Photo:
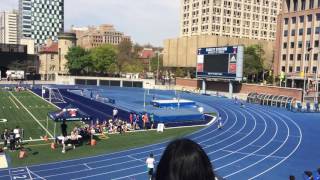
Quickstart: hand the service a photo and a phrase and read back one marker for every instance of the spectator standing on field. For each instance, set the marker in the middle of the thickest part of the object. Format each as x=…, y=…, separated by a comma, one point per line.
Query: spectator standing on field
x=114, y=113
x=152, y=120
x=64, y=128
x=5, y=137
x=12, y=140
x=150, y=165
x=17, y=133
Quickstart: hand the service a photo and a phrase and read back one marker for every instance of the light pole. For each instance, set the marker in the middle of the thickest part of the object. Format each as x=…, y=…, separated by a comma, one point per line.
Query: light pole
x=305, y=74
x=317, y=80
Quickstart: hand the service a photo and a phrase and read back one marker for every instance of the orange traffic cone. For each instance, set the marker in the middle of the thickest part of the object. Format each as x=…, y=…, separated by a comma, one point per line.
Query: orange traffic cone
x=93, y=142
x=53, y=146
x=45, y=138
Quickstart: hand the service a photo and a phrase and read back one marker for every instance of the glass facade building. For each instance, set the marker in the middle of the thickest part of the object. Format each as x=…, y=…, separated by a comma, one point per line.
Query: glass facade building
x=41, y=19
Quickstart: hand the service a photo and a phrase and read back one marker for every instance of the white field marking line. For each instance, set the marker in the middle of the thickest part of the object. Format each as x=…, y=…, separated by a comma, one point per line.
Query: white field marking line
x=129, y=175
x=14, y=102
x=294, y=150
x=255, y=150
x=86, y=165
x=288, y=132
x=37, y=176
x=239, y=140
x=32, y=115
x=10, y=175
x=29, y=173
x=261, y=155
x=108, y=172
x=135, y=158
x=44, y=99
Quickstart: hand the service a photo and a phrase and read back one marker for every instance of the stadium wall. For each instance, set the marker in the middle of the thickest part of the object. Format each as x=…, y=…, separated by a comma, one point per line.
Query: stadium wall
x=182, y=52
x=105, y=81
x=244, y=88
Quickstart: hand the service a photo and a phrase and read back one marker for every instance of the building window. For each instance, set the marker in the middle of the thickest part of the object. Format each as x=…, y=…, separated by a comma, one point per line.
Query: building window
x=318, y=16
x=301, y=19
x=285, y=45
x=292, y=45
x=308, y=44
x=293, y=20
x=293, y=32
x=303, y=4
x=291, y=57
x=283, y=69
x=309, y=17
x=299, y=44
x=285, y=33
x=286, y=20
x=284, y=57
x=299, y=57
x=290, y=68
x=311, y=4
x=317, y=30
x=308, y=31
x=298, y=69
x=301, y=32
x=306, y=57
x=315, y=57
x=314, y=69
x=316, y=43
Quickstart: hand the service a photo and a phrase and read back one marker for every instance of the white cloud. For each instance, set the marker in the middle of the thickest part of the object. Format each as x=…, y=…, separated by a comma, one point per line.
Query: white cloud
x=146, y=21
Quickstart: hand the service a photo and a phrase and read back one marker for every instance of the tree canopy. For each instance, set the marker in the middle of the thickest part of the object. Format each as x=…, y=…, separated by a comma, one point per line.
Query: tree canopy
x=253, y=61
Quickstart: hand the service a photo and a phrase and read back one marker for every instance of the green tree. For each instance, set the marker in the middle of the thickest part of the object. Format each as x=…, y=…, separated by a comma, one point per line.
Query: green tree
x=134, y=66
x=103, y=57
x=79, y=60
x=124, y=53
x=253, y=61
x=154, y=63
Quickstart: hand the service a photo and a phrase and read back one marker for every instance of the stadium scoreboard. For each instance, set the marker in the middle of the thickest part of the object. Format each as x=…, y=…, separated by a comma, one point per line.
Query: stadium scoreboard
x=220, y=62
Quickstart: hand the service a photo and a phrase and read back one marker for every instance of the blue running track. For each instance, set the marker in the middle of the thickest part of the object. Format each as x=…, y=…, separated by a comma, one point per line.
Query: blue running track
x=257, y=142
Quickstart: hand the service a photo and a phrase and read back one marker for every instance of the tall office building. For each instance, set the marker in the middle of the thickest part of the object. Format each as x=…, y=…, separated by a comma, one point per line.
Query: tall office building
x=253, y=19
x=298, y=41
x=9, y=27
x=41, y=19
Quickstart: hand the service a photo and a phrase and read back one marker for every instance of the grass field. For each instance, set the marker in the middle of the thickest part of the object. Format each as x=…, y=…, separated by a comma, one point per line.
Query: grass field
x=29, y=112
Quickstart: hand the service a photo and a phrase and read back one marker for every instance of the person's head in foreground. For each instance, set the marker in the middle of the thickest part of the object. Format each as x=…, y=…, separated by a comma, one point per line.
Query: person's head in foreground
x=184, y=159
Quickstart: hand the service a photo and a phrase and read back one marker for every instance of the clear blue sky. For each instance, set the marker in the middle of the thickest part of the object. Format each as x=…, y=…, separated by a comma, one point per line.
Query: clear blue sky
x=146, y=21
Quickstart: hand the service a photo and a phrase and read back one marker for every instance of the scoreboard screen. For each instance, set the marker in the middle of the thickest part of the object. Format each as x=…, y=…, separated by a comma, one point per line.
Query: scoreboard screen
x=220, y=62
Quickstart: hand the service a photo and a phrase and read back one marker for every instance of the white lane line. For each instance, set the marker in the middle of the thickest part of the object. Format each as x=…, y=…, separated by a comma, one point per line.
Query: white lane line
x=14, y=102
x=135, y=158
x=261, y=155
x=31, y=114
x=86, y=165
x=245, y=119
x=288, y=133
x=131, y=175
x=251, y=143
x=29, y=173
x=294, y=150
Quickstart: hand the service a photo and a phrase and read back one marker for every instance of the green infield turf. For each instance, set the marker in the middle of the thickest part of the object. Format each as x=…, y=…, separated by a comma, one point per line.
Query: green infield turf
x=40, y=152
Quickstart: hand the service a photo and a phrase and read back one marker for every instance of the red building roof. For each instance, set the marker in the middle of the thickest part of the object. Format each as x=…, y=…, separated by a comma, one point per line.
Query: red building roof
x=50, y=49
x=146, y=53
